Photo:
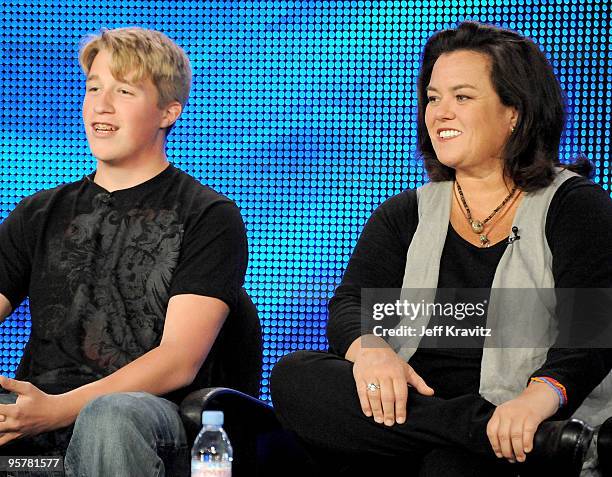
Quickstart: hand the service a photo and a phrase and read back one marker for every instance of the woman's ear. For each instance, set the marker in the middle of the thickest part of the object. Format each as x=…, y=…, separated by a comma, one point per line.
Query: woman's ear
x=514, y=117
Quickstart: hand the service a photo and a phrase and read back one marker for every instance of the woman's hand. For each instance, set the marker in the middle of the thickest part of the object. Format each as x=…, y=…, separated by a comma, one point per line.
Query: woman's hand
x=376, y=363
x=515, y=422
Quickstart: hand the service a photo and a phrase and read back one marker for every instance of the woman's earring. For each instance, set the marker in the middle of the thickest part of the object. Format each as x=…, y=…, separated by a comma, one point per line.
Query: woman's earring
x=513, y=129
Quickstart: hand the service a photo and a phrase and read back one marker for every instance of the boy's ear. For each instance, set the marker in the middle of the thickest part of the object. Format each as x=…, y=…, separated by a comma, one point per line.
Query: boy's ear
x=172, y=111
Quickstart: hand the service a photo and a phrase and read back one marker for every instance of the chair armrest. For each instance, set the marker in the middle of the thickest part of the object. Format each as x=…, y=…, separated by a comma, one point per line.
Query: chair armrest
x=261, y=446
x=239, y=408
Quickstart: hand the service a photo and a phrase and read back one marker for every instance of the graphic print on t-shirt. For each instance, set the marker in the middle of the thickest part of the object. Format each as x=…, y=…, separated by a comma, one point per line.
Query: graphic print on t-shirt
x=118, y=265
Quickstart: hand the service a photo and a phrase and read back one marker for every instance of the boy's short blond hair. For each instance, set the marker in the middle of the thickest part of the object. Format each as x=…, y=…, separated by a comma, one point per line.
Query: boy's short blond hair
x=145, y=54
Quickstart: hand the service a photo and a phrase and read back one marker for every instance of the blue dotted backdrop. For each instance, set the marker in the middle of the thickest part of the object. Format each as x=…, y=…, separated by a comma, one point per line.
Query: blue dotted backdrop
x=303, y=112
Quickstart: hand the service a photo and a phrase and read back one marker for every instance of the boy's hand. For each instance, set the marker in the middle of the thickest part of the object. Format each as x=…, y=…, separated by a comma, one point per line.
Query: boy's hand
x=33, y=412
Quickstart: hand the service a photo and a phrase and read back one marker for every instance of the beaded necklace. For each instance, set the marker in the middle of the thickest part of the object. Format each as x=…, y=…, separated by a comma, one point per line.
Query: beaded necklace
x=477, y=225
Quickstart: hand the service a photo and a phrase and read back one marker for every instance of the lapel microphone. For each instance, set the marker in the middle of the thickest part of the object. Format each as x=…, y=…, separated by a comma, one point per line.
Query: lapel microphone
x=515, y=235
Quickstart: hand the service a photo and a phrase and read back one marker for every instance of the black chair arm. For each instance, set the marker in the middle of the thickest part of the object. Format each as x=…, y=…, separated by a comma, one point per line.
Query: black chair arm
x=238, y=407
x=261, y=445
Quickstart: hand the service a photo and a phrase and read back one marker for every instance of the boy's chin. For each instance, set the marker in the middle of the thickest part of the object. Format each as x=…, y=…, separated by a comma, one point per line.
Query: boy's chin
x=105, y=159
x=103, y=156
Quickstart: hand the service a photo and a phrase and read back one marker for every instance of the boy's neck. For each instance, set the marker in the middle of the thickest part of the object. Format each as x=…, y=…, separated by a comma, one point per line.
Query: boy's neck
x=114, y=177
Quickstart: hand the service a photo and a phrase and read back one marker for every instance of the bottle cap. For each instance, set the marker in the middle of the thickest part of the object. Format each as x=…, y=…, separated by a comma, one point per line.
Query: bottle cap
x=212, y=418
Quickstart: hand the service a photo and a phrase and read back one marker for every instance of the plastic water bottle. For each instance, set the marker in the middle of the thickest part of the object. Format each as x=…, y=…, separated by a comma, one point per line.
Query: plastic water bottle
x=212, y=452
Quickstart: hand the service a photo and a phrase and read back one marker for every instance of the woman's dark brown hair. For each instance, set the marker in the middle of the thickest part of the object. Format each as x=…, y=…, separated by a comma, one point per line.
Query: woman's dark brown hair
x=524, y=79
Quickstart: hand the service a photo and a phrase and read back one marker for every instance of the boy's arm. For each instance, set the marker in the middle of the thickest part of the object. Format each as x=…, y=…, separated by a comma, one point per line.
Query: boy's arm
x=191, y=327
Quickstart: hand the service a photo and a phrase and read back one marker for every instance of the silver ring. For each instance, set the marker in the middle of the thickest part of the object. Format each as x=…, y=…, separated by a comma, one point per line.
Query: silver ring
x=373, y=387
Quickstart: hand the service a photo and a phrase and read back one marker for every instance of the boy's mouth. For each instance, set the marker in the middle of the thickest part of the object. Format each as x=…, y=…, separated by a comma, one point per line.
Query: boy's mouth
x=103, y=128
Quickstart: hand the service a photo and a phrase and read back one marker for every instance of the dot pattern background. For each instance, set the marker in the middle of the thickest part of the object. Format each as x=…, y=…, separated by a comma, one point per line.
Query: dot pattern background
x=303, y=112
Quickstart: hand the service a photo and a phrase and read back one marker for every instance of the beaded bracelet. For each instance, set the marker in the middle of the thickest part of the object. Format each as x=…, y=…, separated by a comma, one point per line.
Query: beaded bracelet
x=556, y=385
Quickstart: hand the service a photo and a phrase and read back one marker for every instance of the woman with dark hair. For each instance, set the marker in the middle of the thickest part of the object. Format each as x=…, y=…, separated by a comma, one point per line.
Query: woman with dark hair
x=500, y=213
x=523, y=79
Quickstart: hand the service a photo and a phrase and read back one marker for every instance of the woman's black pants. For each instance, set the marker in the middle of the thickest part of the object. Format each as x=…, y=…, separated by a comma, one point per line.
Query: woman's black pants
x=314, y=395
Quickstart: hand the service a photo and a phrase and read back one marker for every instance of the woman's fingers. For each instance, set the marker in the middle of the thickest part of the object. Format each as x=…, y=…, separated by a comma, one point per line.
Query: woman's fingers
x=505, y=440
x=375, y=402
x=401, y=399
x=529, y=430
x=492, y=433
x=382, y=379
x=416, y=381
x=510, y=436
x=364, y=400
x=384, y=399
x=387, y=397
x=514, y=423
x=516, y=438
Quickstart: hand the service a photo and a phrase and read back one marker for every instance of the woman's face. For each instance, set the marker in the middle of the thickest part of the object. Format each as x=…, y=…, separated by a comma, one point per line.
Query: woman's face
x=467, y=123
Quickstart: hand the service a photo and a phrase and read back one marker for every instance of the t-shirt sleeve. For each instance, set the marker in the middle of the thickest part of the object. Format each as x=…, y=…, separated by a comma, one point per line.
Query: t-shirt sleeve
x=15, y=256
x=214, y=254
x=378, y=261
x=579, y=233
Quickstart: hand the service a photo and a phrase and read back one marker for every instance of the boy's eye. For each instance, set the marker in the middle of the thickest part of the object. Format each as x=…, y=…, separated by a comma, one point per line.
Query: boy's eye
x=125, y=91
x=93, y=88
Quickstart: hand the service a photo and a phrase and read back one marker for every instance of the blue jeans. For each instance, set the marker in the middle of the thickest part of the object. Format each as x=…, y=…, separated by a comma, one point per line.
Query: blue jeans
x=123, y=434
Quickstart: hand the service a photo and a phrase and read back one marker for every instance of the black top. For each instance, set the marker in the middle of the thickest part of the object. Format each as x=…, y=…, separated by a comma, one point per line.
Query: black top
x=379, y=261
x=99, y=269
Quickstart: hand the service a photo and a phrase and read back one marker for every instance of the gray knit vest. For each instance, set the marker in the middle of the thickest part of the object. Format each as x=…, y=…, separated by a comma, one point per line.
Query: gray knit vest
x=527, y=263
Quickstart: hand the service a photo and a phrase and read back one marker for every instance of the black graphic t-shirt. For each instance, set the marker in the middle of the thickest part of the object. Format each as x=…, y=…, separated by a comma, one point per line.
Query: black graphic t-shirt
x=99, y=269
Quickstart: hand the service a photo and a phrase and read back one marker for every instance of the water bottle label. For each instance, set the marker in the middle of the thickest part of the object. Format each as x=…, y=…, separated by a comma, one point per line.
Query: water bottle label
x=210, y=469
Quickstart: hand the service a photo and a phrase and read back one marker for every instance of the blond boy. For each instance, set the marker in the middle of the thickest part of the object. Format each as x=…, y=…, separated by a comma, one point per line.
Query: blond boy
x=130, y=271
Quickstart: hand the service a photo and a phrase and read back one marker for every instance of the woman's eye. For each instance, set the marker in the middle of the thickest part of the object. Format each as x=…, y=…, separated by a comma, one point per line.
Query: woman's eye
x=431, y=99
x=92, y=88
x=461, y=97
x=125, y=91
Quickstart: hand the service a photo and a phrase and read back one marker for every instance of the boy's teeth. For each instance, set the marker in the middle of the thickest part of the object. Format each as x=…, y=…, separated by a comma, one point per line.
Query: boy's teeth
x=104, y=127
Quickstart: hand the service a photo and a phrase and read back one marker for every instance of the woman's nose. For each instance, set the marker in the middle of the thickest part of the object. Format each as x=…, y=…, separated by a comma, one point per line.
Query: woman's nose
x=445, y=110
